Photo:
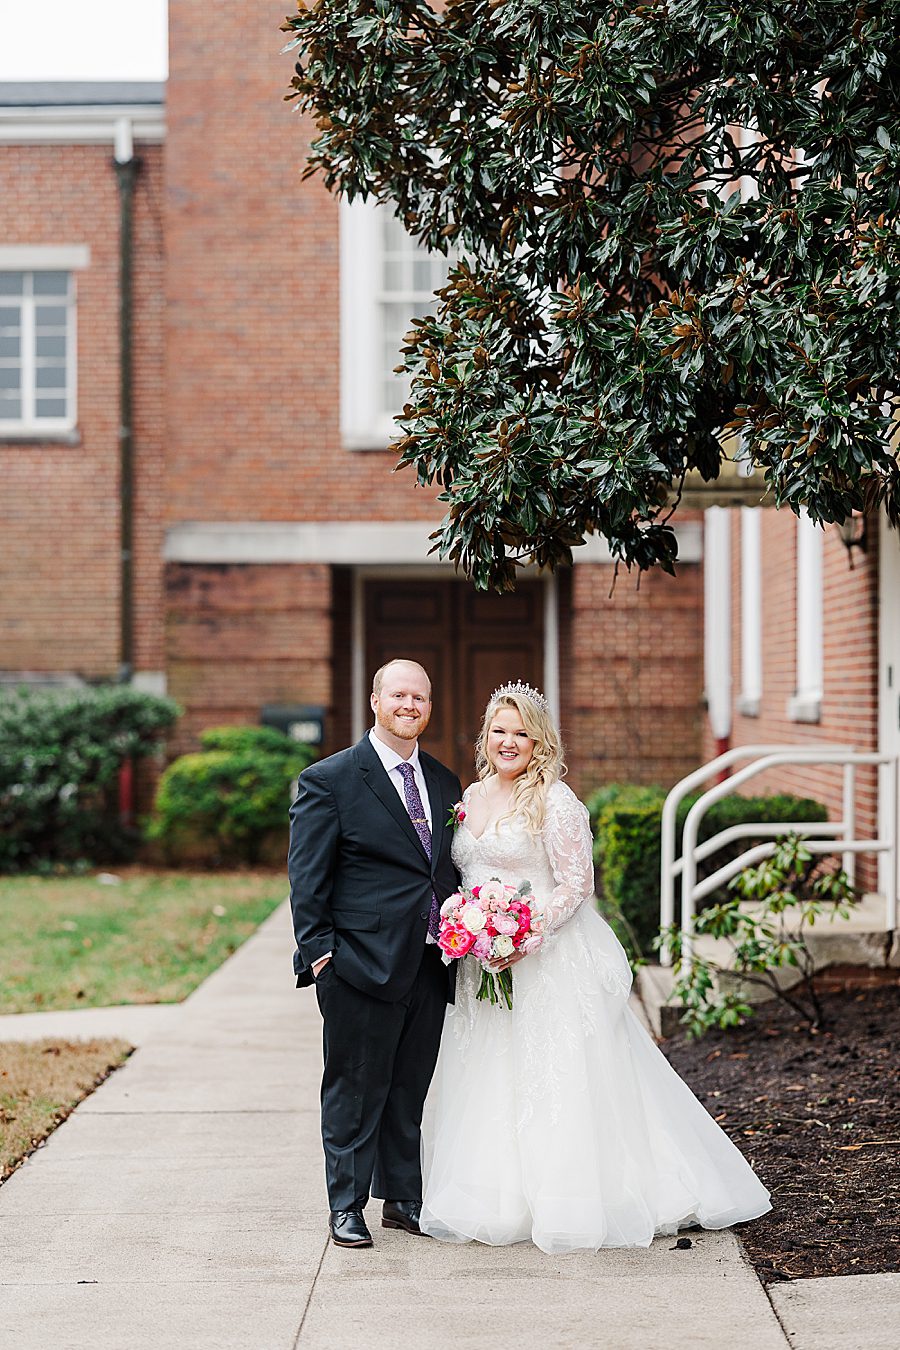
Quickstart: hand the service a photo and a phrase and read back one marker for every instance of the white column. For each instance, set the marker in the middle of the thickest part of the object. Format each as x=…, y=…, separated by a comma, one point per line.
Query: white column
x=717, y=619
x=806, y=705
x=751, y=612
x=551, y=643
x=357, y=658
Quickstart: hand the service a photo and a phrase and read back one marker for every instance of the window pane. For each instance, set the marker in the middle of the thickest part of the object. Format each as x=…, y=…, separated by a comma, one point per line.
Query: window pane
x=50, y=346
x=9, y=346
x=10, y=378
x=11, y=283
x=50, y=316
x=9, y=318
x=393, y=274
x=10, y=407
x=425, y=275
x=50, y=407
x=50, y=377
x=50, y=283
x=396, y=240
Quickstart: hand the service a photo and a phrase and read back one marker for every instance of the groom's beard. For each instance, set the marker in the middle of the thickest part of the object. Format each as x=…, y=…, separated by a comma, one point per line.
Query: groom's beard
x=405, y=728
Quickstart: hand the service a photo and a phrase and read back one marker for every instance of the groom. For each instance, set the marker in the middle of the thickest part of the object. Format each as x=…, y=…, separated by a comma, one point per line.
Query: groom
x=369, y=865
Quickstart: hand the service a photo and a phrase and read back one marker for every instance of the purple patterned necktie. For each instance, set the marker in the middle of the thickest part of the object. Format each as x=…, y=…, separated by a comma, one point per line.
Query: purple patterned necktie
x=420, y=825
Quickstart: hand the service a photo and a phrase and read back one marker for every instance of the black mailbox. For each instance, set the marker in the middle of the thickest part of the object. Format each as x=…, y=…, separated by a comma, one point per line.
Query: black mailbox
x=303, y=722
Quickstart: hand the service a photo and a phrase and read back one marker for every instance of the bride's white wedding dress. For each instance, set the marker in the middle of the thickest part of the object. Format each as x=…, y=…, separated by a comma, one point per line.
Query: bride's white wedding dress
x=561, y=1121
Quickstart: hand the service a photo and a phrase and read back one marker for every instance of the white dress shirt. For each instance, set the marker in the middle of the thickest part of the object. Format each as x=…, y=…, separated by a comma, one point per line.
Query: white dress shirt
x=391, y=761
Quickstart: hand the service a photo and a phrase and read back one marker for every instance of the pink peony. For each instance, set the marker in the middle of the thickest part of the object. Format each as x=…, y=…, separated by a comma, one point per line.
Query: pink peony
x=483, y=946
x=506, y=924
x=532, y=943
x=455, y=940
x=524, y=916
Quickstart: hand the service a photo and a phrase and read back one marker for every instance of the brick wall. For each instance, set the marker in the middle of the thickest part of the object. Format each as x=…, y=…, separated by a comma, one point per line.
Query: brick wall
x=632, y=676
x=59, y=503
x=242, y=636
x=253, y=293
x=850, y=687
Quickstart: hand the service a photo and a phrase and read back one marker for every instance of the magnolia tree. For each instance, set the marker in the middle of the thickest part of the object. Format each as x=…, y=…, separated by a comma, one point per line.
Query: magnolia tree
x=674, y=228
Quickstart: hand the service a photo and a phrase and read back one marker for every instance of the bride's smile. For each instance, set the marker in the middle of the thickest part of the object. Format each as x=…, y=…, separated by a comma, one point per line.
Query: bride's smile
x=509, y=746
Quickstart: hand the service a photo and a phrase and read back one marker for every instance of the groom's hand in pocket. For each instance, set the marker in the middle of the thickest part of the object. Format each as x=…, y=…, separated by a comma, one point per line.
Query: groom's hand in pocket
x=319, y=966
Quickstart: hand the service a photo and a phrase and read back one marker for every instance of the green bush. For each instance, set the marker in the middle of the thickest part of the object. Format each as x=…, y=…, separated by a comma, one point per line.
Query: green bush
x=627, y=847
x=598, y=800
x=229, y=802
x=253, y=741
x=60, y=754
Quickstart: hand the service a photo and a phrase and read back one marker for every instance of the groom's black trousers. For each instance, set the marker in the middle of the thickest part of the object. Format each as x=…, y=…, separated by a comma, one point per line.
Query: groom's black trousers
x=379, y=1059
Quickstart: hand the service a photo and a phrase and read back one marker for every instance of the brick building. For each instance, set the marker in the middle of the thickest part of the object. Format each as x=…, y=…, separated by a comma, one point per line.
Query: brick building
x=274, y=559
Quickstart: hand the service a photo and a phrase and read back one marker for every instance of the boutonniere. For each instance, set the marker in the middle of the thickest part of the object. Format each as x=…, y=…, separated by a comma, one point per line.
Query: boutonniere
x=457, y=815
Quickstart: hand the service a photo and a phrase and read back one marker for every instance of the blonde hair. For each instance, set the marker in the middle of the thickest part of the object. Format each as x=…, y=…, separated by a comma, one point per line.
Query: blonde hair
x=545, y=767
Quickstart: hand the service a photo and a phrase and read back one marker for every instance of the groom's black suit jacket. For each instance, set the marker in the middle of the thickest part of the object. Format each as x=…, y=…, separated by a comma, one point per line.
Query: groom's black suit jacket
x=361, y=881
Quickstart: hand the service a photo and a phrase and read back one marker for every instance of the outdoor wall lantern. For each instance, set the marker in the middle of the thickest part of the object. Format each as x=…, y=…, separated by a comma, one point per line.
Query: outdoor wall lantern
x=854, y=533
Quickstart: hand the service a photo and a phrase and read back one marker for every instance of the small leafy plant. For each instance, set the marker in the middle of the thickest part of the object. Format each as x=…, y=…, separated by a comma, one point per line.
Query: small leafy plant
x=791, y=884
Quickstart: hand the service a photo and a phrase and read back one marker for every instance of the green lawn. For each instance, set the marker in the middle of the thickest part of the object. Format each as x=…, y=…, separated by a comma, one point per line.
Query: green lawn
x=73, y=942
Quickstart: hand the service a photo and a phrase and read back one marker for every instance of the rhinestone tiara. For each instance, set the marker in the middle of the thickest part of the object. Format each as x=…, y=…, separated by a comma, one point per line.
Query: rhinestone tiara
x=524, y=691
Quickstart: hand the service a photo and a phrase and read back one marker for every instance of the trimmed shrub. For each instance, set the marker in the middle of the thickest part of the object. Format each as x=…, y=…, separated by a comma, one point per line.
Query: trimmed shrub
x=60, y=754
x=627, y=847
x=229, y=802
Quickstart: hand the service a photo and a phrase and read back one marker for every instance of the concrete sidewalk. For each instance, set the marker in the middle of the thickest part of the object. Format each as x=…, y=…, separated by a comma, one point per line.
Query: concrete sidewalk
x=136, y=1023
x=183, y=1205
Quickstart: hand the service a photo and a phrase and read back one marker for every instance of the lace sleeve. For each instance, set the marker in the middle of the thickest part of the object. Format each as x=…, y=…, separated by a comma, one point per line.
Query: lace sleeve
x=567, y=839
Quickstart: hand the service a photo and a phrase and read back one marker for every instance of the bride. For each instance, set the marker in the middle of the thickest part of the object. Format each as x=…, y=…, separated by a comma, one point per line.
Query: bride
x=559, y=1121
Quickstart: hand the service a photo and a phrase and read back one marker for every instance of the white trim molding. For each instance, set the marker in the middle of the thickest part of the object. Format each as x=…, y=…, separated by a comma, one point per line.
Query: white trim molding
x=386, y=279
x=79, y=125
x=806, y=703
x=44, y=257
x=750, y=697
x=717, y=619
x=360, y=543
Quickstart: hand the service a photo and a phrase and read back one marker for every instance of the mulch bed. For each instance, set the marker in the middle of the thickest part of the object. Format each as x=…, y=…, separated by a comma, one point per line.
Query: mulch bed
x=818, y=1117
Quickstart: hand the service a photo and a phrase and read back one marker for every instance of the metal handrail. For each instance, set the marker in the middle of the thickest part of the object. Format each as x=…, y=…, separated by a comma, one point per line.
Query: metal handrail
x=769, y=757
x=670, y=810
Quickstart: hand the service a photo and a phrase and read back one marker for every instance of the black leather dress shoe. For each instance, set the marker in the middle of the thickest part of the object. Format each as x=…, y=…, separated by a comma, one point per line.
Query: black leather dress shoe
x=402, y=1214
x=348, y=1228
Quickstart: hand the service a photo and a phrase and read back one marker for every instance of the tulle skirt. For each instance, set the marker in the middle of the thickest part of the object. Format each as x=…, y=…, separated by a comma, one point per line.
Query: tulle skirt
x=562, y=1123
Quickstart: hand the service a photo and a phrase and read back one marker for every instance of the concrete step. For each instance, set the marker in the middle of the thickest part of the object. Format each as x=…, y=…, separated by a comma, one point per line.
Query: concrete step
x=860, y=940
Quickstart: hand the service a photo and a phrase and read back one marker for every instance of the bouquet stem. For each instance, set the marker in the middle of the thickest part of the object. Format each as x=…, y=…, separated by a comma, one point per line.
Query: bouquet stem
x=496, y=988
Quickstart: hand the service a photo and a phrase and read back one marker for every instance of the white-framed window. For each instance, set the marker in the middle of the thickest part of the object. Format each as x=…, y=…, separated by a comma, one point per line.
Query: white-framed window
x=37, y=351
x=750, y=696
x=806, y=704
x=387, y=279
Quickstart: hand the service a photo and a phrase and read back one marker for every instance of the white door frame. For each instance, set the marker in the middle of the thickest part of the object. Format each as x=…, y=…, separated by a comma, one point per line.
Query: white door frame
x=435, y=572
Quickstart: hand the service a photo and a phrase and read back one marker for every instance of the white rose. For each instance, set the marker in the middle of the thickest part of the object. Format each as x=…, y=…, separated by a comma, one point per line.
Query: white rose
x=472, y=918
x=503, y=946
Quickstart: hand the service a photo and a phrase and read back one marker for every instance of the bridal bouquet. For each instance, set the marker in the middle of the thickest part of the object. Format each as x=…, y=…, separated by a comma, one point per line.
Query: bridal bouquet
x=491, y=922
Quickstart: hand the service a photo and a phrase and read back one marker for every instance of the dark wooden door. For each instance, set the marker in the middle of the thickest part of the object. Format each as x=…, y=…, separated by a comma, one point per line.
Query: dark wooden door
x=470, y=643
